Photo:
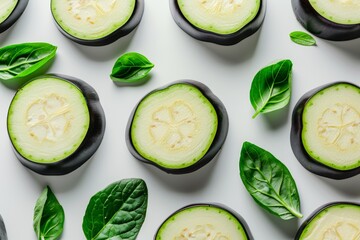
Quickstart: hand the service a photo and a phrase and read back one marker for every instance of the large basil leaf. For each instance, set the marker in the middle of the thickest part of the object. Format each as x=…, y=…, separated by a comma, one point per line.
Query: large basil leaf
x=24, y=59
x=302, y=38
x=48, y=216
x=269, y=182
x=271, y=87
x=131, y=68
x=3, y=235
x=117, y=212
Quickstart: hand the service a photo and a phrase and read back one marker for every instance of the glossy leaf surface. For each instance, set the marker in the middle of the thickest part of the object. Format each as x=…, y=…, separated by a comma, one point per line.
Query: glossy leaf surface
x=116, y=212
x=49, y=216
x=271, y=87
x=269, y=182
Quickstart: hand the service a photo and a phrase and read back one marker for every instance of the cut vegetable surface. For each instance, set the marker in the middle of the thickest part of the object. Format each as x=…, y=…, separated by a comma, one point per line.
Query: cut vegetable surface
x=204, y=221
x=336, y=20
x=10, y=12
x=220, y=21
x=338, y=11
x=94, y=22
x=178, y=128
x=338, y=220
x=326, y=130
x=55, y=124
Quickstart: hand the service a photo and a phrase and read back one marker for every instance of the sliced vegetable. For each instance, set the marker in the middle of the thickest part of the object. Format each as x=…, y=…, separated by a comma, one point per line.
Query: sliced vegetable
x=10, y=12
x=269, y=182
x=131, y=69
x=271, y=87
x=336, y=20
x=55, y=124
x=49, y=216
x=204, y=221
x=221, y=22
x=3, y=234
x=325, y=134
x=337, y=220
x=178, y=128
x=116, y=212
x=21, y=62
x=302, y=38
x=97, y=23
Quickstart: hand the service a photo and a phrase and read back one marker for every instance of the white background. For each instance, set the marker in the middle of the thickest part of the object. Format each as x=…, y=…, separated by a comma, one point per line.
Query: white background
x=228, y=71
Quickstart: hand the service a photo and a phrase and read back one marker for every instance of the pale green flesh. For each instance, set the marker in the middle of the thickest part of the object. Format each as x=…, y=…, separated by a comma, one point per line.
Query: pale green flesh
x=48, y=120
x=202, y=222
x=174, y=127
x=6, y=8
x=337, y=222
x=92, y=19
x=338, y=11
x=331, y=127
x=219, y=16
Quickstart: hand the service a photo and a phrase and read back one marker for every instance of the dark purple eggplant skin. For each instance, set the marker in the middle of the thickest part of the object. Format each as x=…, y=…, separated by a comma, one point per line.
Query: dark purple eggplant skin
x=297, y=145
x=14, y=16
x=237, y=216
x=220, y=137
x=220, y=39
x=316, y=212
x=320, y=26
x=89, y=145
x=3, y=234
x=127, y=28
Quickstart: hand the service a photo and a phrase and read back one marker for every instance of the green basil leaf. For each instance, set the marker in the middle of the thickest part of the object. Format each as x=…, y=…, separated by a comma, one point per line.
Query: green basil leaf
x=49, y=216
x=302, y=38
x=3, y=235
x=269, y=182
x=271, y=87
x=117, y=212
x=131, y=68
x=25, y=60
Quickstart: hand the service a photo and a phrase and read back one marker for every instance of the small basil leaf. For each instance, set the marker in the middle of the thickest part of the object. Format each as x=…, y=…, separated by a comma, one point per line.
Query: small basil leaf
x=302, y=38
x=131, y=68
x=20, y=62
x=269, y=182
x=271, y=87
x=48, y=216
x=3, y=235
x=116, y=212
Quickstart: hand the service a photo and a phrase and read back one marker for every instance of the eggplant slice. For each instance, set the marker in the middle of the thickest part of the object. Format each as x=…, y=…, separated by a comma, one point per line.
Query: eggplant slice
x=178, y=128
x=221, y=22
x=337, y=220
x=332, y=20
x=10, y=12
x=55, y=124
x=325, y=133
x=97, y=23
x=204, y=221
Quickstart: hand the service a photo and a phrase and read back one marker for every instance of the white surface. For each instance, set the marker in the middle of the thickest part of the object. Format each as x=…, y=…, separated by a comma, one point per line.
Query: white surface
x=228, y=71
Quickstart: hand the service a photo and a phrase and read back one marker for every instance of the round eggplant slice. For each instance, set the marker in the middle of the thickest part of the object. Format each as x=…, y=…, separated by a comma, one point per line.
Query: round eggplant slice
x=338, y=220
x=204, y=221
x=178, y=128
x=55, y=124
x=222, y=22
x=325, y=133
x=3, y=235
x=10, y=12
x=97, y=23
x=336, y=20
